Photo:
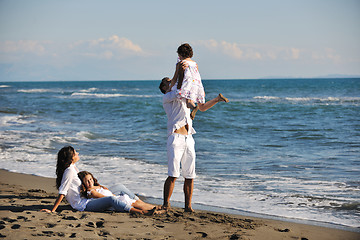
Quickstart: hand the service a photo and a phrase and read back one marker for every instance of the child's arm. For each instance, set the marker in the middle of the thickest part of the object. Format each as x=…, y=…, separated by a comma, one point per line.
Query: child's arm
x=94, y=194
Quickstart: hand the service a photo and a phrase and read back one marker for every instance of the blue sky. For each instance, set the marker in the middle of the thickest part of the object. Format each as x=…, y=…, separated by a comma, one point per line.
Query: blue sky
x=137, y=40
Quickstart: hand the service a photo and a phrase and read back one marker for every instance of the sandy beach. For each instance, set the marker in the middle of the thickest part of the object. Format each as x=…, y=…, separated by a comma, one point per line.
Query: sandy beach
x=22, y=196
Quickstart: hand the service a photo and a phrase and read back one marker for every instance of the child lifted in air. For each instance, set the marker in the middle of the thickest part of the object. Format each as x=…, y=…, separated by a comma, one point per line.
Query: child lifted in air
x=90, y=188
x=188, y=82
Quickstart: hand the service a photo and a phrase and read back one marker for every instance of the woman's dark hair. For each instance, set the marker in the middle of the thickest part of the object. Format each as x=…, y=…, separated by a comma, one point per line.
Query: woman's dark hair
x=185, y=50
x=83, y=190
x=64, y=160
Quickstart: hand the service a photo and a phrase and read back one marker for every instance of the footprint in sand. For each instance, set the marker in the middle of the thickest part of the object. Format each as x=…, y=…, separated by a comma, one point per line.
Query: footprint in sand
x=50, y=225
x=100, y=224
x=9, y=220
x=203, y=234
x=235, y=236
x=15, y=226
x=70, y=218
x=104, y=233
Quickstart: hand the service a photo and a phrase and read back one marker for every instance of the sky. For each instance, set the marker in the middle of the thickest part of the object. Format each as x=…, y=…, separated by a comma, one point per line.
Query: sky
x=137, y=40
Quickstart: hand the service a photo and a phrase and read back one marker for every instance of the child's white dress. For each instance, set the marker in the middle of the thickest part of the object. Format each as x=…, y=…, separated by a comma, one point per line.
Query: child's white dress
x=123, y=198
x=192, y=87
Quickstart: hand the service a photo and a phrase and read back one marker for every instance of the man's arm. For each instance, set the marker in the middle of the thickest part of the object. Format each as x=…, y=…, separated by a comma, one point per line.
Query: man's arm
x=179, y=71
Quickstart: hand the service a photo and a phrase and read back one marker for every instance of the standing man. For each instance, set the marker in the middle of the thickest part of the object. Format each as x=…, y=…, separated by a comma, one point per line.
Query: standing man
x=180, y=145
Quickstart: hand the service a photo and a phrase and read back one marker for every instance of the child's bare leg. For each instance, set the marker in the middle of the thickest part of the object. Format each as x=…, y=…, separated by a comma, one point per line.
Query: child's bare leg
x=209, y=104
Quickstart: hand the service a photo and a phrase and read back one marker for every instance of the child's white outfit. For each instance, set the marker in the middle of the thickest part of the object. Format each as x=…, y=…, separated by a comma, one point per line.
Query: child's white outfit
x=123, y=198
x=103, y=191
x=192, y=87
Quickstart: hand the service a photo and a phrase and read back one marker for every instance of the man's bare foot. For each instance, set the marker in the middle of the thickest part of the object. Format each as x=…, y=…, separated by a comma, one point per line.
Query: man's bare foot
x=165, y=207
x=222, y=98
x=190, y=210
x=193, y=112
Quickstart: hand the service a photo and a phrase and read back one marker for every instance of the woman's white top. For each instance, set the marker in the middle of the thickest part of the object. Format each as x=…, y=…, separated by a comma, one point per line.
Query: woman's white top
x=70, y=187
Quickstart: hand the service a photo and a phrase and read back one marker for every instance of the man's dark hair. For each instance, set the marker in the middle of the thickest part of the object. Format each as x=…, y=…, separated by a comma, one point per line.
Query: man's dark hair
x=163, y=84
x=185, y=50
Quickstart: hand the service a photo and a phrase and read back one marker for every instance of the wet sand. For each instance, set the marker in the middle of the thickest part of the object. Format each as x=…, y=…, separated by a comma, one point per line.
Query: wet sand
x=22, y=197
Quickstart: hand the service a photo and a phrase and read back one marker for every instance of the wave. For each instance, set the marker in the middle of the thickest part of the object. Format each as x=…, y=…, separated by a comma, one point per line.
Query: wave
x=4, y=86
x=37, y=90
x=355, y=100
x=108, y=95
x=10, y=120
x=89, y=90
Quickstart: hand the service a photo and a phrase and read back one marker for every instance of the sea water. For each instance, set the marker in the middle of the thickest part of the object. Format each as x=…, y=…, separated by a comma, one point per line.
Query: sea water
x=281, y=147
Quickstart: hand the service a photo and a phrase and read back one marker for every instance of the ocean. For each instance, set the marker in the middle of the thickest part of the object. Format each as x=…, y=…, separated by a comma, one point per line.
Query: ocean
x=281, y=147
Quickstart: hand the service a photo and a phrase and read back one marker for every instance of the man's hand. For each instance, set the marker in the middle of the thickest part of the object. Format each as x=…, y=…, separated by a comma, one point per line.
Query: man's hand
x=183, y=64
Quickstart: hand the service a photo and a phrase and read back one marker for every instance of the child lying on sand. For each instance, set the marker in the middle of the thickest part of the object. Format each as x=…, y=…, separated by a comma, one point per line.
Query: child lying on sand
x=90, y=188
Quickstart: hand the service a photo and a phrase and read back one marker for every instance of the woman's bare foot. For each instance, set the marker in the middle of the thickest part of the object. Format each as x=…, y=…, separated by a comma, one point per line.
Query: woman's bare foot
x=149, y=212
x=222, y=98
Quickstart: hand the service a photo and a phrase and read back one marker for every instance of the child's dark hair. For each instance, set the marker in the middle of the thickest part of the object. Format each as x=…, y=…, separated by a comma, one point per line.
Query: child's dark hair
x=83, y=190
x=64, y=160
x=185, y=50
x=163, y=84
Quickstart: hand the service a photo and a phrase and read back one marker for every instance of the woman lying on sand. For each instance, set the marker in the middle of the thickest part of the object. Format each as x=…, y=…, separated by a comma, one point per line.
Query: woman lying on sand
x=68, y=183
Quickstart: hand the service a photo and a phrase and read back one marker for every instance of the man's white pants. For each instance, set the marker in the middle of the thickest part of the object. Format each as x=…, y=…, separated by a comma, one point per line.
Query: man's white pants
x=181, y=149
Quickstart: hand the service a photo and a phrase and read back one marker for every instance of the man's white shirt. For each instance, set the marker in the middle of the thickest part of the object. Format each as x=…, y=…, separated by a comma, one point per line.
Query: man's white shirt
x=177, y=112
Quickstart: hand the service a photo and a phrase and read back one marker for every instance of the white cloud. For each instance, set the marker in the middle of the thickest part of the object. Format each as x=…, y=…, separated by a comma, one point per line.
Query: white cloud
x=107, y=54
x=232, y=49
x=251, y=52
x=124, y=43
x=107, y=48
x=22, y=46
x=330, y=54
x=326, y=54
x=295, y=53
x=209, y=44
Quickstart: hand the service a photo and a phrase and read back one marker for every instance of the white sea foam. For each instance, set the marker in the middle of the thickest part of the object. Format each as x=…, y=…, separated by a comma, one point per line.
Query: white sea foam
x=4, y=86
x=36, y=90
x=330, y=100
x=8, y=120
x=107, y=95
x=89, y=90
x=266, y=97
